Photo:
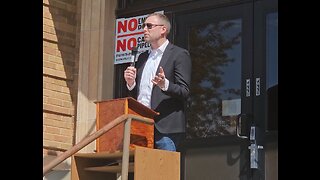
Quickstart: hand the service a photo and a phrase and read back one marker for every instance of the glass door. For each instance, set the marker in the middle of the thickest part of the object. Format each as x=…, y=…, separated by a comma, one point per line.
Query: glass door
x=234, y=63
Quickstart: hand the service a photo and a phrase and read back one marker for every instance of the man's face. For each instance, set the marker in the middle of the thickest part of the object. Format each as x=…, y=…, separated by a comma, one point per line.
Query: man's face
x=153, y=29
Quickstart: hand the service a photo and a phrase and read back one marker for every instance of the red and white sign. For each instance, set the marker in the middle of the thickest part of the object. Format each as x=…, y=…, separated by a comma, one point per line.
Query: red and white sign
x=129, y=33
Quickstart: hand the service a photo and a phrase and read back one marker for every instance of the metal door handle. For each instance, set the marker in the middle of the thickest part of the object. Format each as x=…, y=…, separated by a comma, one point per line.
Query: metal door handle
x=238, y=124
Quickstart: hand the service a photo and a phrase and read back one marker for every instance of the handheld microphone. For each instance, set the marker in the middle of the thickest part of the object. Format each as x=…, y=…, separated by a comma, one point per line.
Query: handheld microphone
x=134, y=52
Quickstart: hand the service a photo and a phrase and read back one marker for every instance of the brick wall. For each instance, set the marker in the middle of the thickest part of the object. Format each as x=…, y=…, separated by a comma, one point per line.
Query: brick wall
x=60, y=72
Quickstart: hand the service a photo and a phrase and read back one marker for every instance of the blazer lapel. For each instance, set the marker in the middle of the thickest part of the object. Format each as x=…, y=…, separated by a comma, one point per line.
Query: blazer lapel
x=166, y=54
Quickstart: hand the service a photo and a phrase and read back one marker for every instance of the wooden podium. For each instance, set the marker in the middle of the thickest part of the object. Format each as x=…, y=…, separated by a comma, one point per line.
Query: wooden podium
x=141, y=134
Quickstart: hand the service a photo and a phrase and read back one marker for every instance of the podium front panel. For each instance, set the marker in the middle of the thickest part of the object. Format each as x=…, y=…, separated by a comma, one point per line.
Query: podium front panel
x=141, y=134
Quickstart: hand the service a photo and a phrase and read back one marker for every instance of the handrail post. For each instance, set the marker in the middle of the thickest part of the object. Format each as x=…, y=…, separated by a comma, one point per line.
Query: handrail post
x=126, y=144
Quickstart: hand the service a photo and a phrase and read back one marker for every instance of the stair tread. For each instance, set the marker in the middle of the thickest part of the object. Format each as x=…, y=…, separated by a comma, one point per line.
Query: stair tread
x=111, y=169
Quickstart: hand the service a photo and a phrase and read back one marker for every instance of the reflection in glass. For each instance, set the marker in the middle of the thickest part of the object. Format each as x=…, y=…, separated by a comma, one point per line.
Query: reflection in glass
x=272, y=70
x=215, y=50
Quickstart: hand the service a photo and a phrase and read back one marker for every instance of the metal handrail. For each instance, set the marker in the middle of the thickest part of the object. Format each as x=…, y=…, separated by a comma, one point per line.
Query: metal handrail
x=96, y=135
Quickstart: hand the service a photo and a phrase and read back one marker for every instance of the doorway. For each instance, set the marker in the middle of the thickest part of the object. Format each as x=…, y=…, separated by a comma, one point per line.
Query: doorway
x=232, y=117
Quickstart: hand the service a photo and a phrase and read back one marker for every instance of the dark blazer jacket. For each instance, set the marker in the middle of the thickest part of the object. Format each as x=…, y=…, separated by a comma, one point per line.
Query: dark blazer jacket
x=171, y=104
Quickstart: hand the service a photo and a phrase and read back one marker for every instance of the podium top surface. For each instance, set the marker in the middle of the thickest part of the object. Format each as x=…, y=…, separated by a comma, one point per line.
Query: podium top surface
x=132, y=104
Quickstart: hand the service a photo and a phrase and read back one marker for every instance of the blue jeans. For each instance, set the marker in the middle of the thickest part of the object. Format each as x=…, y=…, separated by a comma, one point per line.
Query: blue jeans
x=168, y=142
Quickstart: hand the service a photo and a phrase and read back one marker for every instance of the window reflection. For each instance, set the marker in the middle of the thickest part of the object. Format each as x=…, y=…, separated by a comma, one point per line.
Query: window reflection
x=215, y=50
x=272, y=70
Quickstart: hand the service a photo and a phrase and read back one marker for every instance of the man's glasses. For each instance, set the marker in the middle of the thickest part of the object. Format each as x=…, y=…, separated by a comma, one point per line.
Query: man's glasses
x=150, y=25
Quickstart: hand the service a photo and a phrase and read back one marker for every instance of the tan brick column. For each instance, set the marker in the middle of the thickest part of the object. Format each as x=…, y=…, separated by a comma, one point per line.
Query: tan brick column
x=96, y=66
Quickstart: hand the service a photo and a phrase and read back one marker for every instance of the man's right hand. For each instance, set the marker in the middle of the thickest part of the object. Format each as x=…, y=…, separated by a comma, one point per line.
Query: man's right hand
x=130, y=75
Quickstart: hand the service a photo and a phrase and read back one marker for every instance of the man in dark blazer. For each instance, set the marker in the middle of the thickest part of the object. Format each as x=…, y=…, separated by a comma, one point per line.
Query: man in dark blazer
x=161, y=81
